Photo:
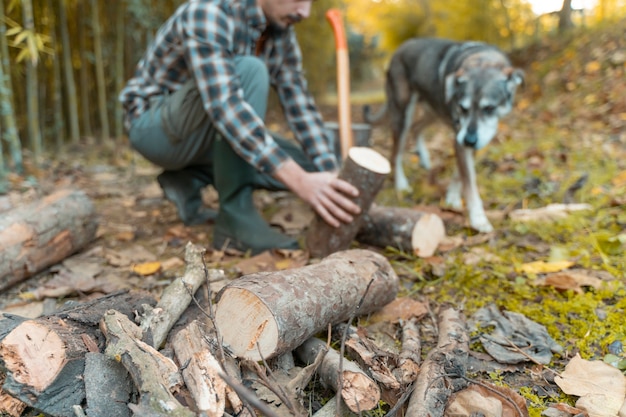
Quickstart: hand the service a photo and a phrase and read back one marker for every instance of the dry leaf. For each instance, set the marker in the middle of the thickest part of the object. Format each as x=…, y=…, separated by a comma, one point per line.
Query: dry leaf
x=600, y=386
x=146, y=268
x=570, y=280
x=541, y=267
x=275, y=260
x=402, y=308
x=487, y=400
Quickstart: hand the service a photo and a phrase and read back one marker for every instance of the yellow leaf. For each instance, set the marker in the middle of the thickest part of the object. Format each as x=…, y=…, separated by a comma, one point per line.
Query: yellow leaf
x=147, y=268
x=591, y=67
x=619, y=179
x=541, y=267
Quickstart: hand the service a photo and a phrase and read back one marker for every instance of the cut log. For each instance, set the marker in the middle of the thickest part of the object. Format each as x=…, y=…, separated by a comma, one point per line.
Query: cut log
x=44, y=358
x=358, y=390
x=402, y=228
x=444, y=369
x=201, y=371
x=366, y=169
x=265, y=314
x=157, y=322
x=40, y=234
x=410, y=355
x=154, y=375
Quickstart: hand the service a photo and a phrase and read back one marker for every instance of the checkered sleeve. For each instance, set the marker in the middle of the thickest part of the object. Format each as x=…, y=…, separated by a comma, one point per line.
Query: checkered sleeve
x=207, y=37
x=301, y=112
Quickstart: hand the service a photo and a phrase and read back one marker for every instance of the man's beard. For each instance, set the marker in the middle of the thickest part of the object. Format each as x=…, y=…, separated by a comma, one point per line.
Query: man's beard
x=278, y=28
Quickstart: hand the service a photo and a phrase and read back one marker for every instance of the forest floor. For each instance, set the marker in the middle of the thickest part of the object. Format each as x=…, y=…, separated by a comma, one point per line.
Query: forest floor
x=565, y=142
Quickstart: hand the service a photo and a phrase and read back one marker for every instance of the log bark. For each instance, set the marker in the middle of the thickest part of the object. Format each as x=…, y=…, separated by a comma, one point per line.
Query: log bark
x=410, y=355
x=40, y=234
x=402, y=228
x=358, y=391
x=154, y=375
x=201, y=371
x=436, y=380
x=265, y=314
x=9, y=405
x=366, y=169
x=158, y=321
x=44, y=358
x=104, y=375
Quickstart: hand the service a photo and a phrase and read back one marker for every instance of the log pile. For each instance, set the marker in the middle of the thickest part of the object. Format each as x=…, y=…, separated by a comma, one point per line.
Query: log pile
x=252, y=351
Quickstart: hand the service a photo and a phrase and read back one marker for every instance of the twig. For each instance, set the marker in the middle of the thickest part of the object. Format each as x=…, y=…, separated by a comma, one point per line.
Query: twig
x=342, y=348
x=530, y=358
x=248, y=395
x=403, y=399
x=273, y=386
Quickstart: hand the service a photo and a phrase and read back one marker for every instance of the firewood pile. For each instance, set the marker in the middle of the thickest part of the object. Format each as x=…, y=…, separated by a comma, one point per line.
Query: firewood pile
x=253, y=348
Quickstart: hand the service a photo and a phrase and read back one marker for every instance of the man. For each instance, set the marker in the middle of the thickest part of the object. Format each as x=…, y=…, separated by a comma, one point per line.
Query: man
x=196, y=108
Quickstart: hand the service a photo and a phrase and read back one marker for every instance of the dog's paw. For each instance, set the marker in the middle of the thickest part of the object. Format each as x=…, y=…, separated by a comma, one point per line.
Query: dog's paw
x=480, y=223
x=454, y=201
x=402, y=185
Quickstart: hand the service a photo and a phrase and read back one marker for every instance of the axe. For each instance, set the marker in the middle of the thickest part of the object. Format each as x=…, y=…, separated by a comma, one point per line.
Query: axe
x=335, y=19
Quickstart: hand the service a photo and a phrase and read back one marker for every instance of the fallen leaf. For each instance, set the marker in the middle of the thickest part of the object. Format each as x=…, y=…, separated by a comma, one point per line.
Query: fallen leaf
x=601, y=387
x=487, y=400
x=570, y=280
x=542, y=267
x=146, y=268
x=402, y=308
x=275, y=260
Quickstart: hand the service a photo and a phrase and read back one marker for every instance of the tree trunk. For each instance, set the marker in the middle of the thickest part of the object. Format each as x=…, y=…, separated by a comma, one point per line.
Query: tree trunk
x=70, y=85
x=279, y=310
x=40, y=234
x=32, y=88
x=402, y=228
x=565, y=17
x=44, y=358
x=8, y=127
x=100, y=78
x=358, y=390
x=366, y=169
x=85, y=102
x=120, y=78
x=57, y=95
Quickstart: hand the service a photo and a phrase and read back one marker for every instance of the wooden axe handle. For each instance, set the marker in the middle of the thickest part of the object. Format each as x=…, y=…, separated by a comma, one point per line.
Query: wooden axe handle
x=335, y=19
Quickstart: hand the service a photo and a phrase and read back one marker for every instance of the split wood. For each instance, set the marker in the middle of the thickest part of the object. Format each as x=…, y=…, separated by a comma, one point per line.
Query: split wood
x=366, y=169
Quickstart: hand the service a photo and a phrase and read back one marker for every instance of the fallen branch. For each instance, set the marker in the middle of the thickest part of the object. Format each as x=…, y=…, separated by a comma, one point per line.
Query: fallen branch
x=154, y=375
x=437, y=379
x=358, y=390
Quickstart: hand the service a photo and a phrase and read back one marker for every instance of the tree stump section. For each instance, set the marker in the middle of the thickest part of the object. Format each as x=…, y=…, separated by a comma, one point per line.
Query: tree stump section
x=402, y=228
x=366, y=169
x=265, y=314
x=44, y=358
x=358, y=391
x=43, y=233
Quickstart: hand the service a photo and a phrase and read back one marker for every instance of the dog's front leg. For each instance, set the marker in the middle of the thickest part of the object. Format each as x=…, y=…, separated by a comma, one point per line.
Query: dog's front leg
x=467, y=172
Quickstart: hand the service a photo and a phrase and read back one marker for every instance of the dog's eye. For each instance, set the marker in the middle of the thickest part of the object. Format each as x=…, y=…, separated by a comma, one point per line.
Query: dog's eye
x=463, y=110
x=489, y=110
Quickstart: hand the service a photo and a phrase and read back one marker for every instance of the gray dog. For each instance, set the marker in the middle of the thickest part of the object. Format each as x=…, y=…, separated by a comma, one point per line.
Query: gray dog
x=469, y=86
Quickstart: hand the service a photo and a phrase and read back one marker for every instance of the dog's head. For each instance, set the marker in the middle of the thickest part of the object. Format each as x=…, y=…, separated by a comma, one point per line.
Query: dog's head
x=477, y=97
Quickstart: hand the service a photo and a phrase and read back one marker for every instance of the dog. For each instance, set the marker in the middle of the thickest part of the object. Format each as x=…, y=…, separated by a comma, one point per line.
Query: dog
x=467, y=85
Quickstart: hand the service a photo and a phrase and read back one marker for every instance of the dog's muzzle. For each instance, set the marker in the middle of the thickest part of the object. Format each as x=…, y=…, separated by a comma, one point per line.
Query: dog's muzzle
x=471, y=138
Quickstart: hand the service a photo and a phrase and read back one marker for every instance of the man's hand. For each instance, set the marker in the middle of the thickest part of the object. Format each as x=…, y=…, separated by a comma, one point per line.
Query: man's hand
x=329, y=196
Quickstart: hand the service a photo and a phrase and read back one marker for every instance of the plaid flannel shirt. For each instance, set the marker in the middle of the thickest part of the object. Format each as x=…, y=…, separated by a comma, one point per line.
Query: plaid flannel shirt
x=200, y=40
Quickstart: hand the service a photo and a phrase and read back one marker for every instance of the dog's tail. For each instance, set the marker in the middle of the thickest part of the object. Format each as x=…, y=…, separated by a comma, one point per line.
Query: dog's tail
x=373, y=118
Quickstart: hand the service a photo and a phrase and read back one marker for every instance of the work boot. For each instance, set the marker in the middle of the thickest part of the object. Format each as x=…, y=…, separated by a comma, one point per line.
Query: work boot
x=239, y=225
x=184, y=189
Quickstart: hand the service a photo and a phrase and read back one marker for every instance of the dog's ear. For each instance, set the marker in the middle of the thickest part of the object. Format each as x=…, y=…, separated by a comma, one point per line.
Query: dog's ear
x=516, y=78
x=452, y=83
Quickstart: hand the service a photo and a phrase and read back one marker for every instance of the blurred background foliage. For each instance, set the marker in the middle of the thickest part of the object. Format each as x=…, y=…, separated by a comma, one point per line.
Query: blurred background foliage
x=65, y=61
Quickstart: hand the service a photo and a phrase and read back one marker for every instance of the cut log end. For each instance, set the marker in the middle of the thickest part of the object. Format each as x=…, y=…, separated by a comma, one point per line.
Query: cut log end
x=428, y=232
x=370, y=160
x=359, y=392
x=255, y=337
